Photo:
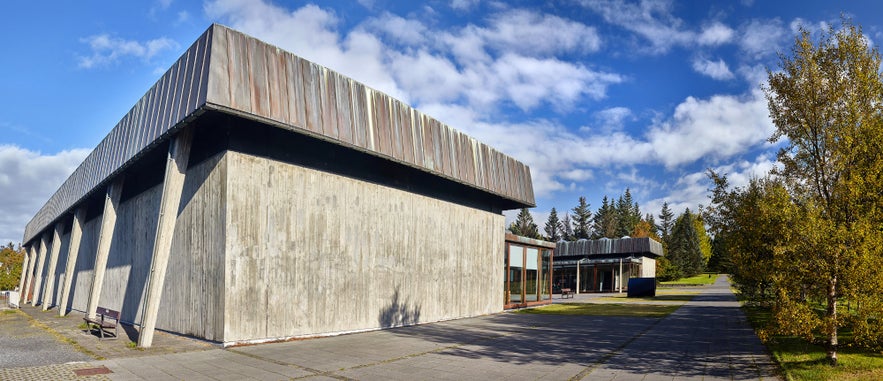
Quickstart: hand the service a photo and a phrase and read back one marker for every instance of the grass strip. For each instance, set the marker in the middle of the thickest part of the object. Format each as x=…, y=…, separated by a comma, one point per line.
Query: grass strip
x=698, y=280
x=606, y=309
x=801, y=360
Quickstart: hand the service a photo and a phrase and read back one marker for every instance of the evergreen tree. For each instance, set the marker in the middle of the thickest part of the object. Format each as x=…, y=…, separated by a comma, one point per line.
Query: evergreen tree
x=605, y=220
x=684, y=251
x=524, y=225
x=582, y=220
x=567, y=228
x=553, y=227
x=654, y=228
x=666, y=222
x=628, y=214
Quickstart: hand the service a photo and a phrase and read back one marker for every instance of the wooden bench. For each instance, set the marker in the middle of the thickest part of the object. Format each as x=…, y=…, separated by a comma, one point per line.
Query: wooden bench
x=566, y=293
x=104, y=320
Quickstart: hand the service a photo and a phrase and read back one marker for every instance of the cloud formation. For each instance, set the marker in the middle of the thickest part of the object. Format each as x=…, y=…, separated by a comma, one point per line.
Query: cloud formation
x=106, y=50
x=27, y=180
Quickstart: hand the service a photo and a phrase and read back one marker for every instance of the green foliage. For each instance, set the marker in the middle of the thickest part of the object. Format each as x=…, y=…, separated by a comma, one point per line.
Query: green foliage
x=684, y=252
x=605, y=222
x=582, y=220
x=524, y=225
x=567, y=228
x=666, y=222
x=704, y=240
x=553, y=227
x=827, y=105
x=628, y=214
x=696, y=280
x=10, y=266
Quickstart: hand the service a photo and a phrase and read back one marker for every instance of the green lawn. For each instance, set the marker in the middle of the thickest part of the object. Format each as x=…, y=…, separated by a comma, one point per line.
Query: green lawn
x=698, y=280
x=627, y=310
x=803, y=361
x=667, y=295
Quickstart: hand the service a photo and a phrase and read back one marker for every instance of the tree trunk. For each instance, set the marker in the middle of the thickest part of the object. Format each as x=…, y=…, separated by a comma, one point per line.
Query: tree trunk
x=832, y=315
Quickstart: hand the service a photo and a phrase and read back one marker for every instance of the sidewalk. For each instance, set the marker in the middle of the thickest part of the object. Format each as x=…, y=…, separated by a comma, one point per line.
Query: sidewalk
x=708, y=339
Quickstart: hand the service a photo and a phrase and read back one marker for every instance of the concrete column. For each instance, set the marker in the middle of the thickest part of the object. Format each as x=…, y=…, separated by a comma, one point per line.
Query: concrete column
x=73, y=250
x=24, y=274
x=29, y=276
x=105, y=236
x=53, y=263
x=38, y=275
x=173, y=184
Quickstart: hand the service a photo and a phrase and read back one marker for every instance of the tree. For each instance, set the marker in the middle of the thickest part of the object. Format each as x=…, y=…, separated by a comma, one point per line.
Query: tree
x=582, y=220
x=826, y=105
x=628, y=214
x=553, y=227
x=704, y=240
x=567, y=228
x=524, y=225
x=10, y=266
x=666, y=222
x=605, y=222
x=684, y=253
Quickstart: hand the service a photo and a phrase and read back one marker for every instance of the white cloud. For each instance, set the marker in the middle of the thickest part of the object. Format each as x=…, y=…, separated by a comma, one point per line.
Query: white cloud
x=463, y=5
x=533, y=34
x=714, y=69
x=719, y=127
x=399, y=29
x=652, y=20
x=40, y=175
x=762, y=37
x=716, y=34
x=611, y=119
x=108, y=50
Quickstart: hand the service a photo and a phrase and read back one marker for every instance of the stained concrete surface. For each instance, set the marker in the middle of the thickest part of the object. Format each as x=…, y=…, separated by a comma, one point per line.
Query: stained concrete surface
x=706, y=339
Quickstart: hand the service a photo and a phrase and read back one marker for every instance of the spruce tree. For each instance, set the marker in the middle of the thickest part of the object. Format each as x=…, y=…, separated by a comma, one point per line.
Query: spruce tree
x=582, y=220
x=666, y=222
x=684, y=251
x=524, y=225
x=553, y=227
x=567, y=228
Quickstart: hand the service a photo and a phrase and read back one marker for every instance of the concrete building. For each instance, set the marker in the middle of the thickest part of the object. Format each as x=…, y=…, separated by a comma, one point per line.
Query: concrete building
x=251, y=195
x=604, y=265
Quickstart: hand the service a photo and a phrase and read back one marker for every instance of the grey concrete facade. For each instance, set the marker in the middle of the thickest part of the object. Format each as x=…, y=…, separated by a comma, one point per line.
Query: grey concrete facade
x=348, y=212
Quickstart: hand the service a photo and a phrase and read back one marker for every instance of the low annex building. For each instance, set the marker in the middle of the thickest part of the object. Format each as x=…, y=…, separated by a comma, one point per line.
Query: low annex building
x=604, y=265
x=252, y=195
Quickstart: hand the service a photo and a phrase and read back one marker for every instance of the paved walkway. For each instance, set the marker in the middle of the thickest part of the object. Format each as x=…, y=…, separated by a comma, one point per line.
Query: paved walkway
x=706, y=339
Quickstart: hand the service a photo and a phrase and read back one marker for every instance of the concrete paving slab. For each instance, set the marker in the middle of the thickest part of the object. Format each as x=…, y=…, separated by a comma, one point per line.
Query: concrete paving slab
x=707, y=338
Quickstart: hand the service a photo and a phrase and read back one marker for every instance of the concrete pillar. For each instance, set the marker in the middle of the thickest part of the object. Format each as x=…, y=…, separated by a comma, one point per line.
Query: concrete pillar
x=29, y=278
x=173, y=184
x=73, y=250
x=24, y=274
x=48, y=295
x=105, y=236
x=38, y=275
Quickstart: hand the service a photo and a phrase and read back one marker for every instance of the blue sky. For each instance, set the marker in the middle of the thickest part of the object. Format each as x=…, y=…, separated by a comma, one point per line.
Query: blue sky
x=596, y=96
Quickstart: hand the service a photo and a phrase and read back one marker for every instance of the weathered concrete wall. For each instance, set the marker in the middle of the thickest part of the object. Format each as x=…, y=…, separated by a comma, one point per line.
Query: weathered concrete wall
x=192, y=301
x=311, y=253
x=85, y=268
